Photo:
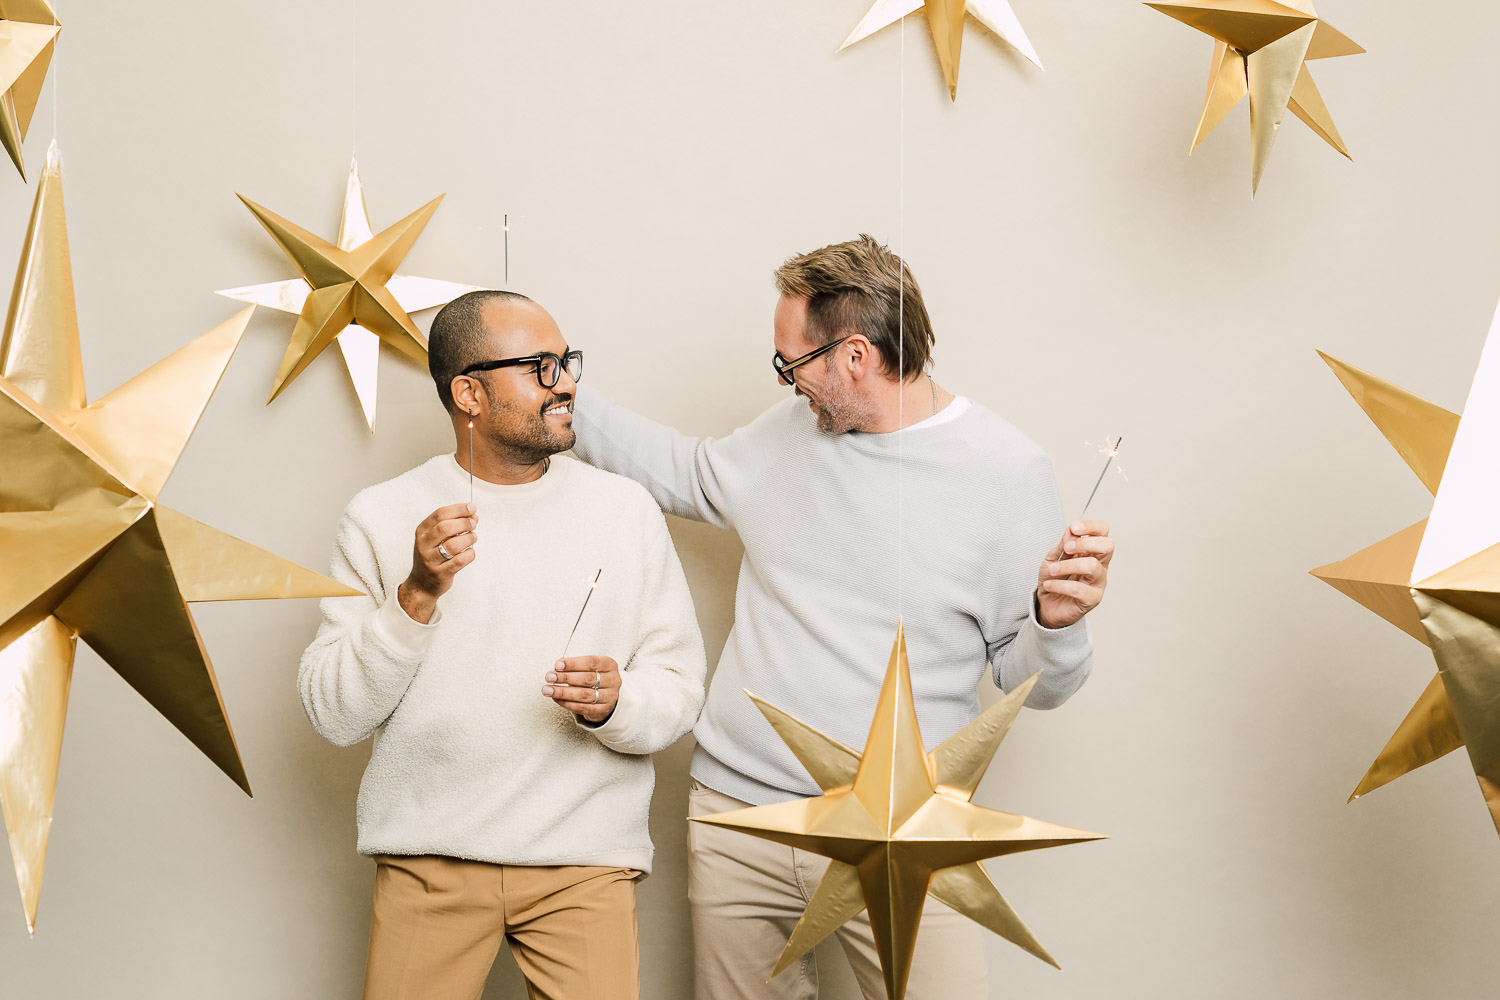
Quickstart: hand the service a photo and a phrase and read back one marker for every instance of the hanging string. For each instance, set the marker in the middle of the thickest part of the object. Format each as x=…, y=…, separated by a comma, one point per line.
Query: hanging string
x=56, y=63
x=354, y=53
x=901, y=338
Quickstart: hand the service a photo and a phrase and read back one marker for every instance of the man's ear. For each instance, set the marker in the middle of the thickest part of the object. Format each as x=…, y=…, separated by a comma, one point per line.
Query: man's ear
x=861, y=355
x=465, y=396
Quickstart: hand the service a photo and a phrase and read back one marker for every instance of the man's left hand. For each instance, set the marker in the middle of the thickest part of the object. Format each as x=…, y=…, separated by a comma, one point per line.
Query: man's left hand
x=1074, y=573
x=587, y=686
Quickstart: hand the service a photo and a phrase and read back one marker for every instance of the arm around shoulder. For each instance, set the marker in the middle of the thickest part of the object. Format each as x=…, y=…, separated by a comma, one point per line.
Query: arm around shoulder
x=677, y=470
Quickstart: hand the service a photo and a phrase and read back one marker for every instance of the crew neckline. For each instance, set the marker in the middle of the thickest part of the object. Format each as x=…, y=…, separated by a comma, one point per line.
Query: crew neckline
x=486, y=490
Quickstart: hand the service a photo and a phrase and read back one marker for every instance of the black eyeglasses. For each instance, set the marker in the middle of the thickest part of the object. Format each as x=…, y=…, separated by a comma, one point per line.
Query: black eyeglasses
x=549, y=366
x=784, y=367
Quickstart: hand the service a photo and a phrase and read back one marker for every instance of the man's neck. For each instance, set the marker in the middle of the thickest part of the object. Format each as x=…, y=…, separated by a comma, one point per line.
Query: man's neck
x=500, y=467
x=898, y=406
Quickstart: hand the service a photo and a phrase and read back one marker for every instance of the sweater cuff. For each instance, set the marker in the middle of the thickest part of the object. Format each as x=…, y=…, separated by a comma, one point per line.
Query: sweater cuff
x=1036, y=620
x=403, y=635
x=621, y=721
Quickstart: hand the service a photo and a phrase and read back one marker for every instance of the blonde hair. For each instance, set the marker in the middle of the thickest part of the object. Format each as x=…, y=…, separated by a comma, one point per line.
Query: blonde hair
x=861, y=287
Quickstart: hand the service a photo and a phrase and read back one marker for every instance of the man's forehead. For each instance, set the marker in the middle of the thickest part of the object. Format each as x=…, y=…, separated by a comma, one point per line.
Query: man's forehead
x=521, y=327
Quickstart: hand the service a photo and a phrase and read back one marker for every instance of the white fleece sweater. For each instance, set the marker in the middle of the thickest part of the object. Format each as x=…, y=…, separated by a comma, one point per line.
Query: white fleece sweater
x=470, y=759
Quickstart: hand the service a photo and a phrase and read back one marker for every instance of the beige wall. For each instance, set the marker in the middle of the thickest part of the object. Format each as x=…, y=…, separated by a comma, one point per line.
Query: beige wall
x=1086, y=278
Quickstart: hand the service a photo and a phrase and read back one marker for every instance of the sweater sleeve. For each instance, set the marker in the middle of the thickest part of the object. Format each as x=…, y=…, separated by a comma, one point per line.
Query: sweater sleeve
x=679, y=471
x=367, y=649
x=661, y=688
x=1023, y=646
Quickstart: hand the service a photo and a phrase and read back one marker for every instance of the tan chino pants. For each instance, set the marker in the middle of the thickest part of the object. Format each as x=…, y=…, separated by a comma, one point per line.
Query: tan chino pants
x=437, y=925
x=746, y=896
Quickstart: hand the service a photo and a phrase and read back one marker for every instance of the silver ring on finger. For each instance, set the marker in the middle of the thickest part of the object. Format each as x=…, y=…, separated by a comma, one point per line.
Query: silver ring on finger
x=596, y=697
x=443, y=551
x=596, y=680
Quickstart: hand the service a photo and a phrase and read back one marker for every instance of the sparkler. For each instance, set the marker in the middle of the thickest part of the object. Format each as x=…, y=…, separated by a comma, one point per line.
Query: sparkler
x=592, y=585
x=1109, y=458
x=506, y=228
x=471, y=459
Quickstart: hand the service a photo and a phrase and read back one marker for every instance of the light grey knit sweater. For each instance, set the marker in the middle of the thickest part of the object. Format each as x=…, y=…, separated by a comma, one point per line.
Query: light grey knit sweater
x=470, y=760
x=821, y=586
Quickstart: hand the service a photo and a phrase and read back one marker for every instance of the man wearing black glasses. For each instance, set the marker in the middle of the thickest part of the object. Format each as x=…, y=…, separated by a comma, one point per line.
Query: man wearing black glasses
x=509, y=787
x=872, y=489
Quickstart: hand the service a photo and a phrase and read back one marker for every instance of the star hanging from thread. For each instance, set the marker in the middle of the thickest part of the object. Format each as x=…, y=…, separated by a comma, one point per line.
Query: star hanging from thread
x=86, y=551
x=28, y=31
x=899, y=826
x=945, y=19
x=1439, y=580
x=350, y=293
x=1261, y=49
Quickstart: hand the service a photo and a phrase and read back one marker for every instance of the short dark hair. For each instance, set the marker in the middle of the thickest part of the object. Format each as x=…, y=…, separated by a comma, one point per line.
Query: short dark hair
x=456, y=339
x=861, y=287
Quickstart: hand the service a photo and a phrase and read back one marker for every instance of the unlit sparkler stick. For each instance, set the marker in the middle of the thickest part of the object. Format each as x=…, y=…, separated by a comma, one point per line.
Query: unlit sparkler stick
x=592, y=585
x=471, y=460
x=1109, y=459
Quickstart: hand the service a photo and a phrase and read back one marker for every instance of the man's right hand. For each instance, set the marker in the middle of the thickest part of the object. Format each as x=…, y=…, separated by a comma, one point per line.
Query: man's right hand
x=447, y=529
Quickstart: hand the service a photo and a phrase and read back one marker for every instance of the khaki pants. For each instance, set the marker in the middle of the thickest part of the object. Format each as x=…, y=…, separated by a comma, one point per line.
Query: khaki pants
x=747, y=894
x=438, y=922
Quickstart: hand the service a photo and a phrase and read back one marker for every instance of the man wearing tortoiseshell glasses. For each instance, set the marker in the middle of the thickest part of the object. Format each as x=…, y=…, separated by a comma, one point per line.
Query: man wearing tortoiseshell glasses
x=811, y=486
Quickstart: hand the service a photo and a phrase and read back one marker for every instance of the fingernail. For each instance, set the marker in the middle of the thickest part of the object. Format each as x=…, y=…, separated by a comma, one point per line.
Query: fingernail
x=552, y=678
x=547, y=691
x=1078, y=528
x=1069, y=546
x=559, y=664
x=471, y=508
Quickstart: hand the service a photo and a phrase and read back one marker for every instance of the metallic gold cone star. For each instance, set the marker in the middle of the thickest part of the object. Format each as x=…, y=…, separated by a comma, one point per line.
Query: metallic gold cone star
x=1439, y=580
x=898, y=826
x=350, y=293
x=1261, y=49
x=945, y=19
x=85, y=549
x=28, y=30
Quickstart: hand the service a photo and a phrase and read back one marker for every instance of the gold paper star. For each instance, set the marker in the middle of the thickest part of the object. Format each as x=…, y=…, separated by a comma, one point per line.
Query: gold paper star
x=899, y=826
x=350, y=293
x=28, y=29
x=85, y=549
x=1439, y=580
x=1261, y=49
x=945, y=19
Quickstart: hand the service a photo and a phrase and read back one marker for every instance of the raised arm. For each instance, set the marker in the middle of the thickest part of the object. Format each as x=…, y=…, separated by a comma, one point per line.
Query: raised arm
x=1019, y=643
x=369, y=648
x=661, y=688
x=679, y=471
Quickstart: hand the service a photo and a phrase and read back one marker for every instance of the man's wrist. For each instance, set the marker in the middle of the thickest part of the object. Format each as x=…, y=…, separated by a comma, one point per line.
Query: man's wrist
x=418, y=604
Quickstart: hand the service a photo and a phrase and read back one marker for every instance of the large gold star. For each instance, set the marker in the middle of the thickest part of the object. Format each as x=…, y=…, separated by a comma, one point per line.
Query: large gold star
x=1439, y=580
x=945, y=19
x=85, y=549
x=28, y=30
x=350, y=293
x=899, y=826
x=1261, y=49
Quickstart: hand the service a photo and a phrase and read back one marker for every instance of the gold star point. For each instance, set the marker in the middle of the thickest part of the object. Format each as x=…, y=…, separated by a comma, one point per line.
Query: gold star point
x=898, y=825
x=28, y=32
x=945, y=20
x=1261, y=50
x=349, y=292
x=87, y=551
x=1439, y=580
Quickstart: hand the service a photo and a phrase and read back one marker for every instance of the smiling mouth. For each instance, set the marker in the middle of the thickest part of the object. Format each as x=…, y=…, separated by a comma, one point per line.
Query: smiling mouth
x=562, y=409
